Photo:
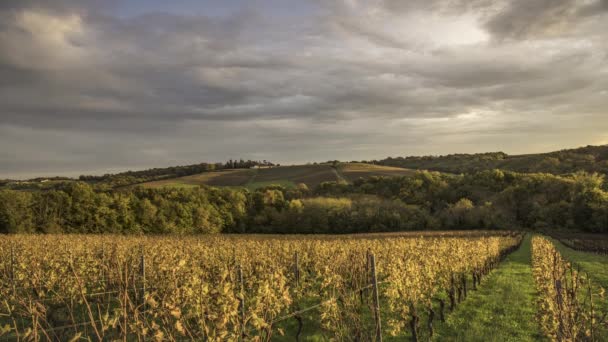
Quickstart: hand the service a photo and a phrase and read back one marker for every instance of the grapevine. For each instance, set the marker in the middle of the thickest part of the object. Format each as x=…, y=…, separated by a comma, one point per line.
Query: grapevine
x=226, y=288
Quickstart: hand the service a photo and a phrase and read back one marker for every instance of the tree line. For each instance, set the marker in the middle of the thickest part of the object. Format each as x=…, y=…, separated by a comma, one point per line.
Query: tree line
x=590, y=159
x=134, y=177
x=114, y=180
x=492, y=199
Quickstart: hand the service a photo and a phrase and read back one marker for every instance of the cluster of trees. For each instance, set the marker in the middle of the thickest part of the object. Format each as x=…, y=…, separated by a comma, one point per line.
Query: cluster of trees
x=40, y=183
x=491, y=199
x=590, y=159
x=246, y=164
x=79, y=208
x=495, y=198
x=335, y=215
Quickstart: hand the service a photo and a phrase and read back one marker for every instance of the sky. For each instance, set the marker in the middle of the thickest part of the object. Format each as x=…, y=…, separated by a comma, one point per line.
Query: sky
x=90, y=87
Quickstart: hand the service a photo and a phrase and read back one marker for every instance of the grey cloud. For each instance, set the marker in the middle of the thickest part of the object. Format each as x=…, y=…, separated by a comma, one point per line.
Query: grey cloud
x=522, y=19
x=83, y=88
x=441, y=6
x=594, y=8
x=369, y=33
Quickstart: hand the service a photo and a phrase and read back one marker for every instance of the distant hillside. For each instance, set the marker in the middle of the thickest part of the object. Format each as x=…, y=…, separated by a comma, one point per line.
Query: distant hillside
x=288, y=176
x=255, y=174
x=133, y=177
x=127, y=178
x=590, y=158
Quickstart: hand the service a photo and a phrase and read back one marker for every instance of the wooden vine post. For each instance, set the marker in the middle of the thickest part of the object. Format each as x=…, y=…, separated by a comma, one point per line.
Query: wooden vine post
x=103, y=263
x=12, y=270
x=376, y=298
x=368, y=278
x=591, y=308
x=143, y=282
x=296, y=262
x=298, y=318
x=452, y=292
x=464, y=284
x=559, y=300
x=241, y=299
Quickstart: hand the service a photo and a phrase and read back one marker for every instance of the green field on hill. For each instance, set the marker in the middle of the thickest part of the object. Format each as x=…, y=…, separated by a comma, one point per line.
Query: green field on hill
x=352, y=171
x=287, y=176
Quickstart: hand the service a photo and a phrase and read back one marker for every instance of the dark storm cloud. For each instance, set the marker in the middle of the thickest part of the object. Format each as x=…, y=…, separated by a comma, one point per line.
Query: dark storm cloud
x=86, y=87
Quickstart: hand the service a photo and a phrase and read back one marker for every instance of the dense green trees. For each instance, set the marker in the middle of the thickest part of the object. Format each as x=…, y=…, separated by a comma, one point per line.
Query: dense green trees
x=494, y=198
x=590, y=159
x=491, y=199
x=80, y=208
x=15, y=215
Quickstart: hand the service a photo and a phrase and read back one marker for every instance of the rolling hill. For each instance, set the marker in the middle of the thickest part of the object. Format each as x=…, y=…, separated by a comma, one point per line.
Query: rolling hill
x=238, y=174
x=288, y=176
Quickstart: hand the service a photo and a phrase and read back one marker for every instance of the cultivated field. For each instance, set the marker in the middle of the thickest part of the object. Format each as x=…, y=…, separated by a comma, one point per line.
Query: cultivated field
x=583, y=242
x=353, y=171
x=221, y=288
x=288, y=176
x=370, y=287
x=238, y=177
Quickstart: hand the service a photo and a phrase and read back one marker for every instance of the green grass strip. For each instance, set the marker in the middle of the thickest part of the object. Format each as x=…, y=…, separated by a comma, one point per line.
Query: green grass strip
x=502, y=309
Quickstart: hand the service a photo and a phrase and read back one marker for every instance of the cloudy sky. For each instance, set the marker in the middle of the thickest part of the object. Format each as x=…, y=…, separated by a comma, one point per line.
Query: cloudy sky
x=100, y=86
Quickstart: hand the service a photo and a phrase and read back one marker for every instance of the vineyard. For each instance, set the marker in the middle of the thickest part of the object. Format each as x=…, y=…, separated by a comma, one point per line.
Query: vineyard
x=261, y=288
x=583, y=242
x=231, y=288
x=572, y=307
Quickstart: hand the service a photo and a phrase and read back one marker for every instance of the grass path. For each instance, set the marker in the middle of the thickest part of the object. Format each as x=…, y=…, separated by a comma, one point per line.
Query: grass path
x=252, y=178
x=503, y=309
x=339, y=176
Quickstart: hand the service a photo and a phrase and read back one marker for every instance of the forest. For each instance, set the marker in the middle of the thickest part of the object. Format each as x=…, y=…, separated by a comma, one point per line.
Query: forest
x=589, y=158
x=490, y=199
